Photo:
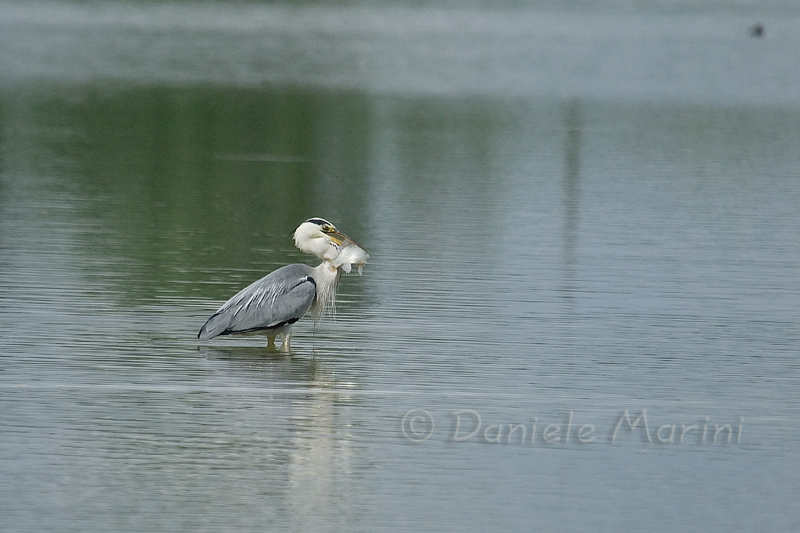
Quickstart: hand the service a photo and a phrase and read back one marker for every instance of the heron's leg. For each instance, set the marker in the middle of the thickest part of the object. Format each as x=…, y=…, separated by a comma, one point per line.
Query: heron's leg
x=285, y=345
x=271, y=343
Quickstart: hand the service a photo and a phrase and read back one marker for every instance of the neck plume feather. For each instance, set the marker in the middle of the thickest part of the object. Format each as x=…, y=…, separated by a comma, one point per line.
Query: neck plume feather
x=327, y=278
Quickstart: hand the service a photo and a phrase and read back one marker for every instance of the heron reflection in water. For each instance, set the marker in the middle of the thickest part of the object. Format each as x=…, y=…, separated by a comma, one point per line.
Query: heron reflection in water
x=274, y=303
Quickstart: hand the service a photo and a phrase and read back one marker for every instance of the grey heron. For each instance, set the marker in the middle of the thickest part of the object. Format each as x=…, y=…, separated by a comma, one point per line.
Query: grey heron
x=275, y=302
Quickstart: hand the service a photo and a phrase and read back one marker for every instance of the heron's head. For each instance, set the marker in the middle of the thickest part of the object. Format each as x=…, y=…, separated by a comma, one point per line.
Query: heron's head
x=319, y=237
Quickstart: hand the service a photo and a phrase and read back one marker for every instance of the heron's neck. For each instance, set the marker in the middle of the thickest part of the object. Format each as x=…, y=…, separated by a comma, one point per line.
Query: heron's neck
x=326, y=276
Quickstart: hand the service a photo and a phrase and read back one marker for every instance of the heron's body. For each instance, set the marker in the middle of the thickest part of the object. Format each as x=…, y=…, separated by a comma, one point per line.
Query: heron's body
x=274, y=303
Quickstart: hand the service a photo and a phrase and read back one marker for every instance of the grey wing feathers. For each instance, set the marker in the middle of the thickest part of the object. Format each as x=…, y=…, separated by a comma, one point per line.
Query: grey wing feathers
x=279, y=298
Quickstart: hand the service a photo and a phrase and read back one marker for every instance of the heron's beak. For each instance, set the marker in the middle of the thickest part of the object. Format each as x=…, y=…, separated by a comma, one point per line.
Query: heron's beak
x=340, y=239
x=337, y=237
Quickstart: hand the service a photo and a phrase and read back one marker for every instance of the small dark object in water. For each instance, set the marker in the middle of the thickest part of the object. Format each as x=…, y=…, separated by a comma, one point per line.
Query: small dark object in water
x=757, y=30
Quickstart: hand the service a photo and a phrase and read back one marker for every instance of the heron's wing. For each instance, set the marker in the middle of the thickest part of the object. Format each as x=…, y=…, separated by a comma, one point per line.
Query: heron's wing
x=279, y=298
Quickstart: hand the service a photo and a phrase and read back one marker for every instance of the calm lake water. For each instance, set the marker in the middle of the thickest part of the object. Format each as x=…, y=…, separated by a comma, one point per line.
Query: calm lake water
x=581, y=309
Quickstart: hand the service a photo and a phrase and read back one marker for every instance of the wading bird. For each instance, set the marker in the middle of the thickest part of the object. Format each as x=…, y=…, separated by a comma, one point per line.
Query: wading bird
x=274, y=303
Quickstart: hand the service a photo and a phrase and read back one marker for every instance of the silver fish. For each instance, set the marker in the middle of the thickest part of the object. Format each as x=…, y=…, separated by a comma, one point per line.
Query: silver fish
x=352, y=254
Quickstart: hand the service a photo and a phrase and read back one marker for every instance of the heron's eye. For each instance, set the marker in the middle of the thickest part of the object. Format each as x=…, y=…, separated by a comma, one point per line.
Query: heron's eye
x=327, y=229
